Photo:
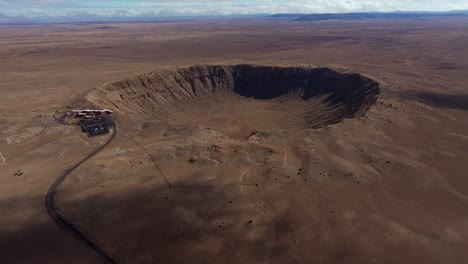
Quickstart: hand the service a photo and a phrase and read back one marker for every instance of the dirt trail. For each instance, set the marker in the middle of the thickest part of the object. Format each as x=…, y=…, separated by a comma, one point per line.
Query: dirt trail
x=3, y=159
x=168, y=183
x=259, y=201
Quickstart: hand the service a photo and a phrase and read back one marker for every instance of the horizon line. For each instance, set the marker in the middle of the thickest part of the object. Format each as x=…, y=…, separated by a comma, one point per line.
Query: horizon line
x=18, y=19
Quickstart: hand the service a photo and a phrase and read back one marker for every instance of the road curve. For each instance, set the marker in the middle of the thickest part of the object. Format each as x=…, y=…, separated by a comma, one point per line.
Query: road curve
x=67, y=225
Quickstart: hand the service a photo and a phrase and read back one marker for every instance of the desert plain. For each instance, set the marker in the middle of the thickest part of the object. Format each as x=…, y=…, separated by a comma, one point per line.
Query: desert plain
x=236, y=177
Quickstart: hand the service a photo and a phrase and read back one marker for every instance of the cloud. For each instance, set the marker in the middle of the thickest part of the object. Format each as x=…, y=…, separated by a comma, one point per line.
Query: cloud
x=138, y=8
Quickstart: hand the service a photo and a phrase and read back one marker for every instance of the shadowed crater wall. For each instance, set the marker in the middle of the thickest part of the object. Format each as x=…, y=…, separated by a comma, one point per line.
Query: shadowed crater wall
x=239, y=99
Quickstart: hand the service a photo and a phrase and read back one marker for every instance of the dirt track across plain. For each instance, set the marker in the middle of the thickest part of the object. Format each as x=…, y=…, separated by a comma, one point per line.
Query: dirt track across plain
x=259, y=202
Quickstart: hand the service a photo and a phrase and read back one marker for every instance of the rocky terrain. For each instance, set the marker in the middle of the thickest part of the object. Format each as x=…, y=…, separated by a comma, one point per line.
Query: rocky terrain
x=238, y=141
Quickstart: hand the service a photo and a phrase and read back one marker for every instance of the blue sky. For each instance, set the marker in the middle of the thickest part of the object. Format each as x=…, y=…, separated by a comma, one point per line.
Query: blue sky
x=135, y=8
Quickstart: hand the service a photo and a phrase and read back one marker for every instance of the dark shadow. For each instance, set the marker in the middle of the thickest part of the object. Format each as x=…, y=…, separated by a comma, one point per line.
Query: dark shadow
x=441, y=100
x=351, y=92
x=267, y=82
x=151, y=225
x=39, y=240
x=161, y=225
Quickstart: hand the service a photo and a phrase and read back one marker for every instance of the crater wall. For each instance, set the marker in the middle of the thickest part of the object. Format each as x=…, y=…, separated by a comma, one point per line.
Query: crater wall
x=269, y=96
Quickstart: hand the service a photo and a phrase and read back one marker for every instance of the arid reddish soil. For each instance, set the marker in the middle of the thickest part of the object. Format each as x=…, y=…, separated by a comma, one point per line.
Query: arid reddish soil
x=230, y=179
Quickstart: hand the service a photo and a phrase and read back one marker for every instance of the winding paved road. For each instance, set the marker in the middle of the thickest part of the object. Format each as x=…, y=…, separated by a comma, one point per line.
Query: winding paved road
x=66, y=224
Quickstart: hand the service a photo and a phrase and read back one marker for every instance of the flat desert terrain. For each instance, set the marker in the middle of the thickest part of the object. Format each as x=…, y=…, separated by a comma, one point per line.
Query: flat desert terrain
x=238, y=141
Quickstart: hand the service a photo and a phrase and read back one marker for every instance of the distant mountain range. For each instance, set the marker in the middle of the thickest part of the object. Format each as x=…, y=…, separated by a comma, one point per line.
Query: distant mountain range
x=21, y=19
x=370, y=16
